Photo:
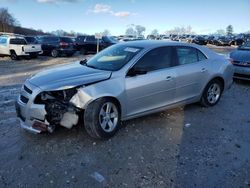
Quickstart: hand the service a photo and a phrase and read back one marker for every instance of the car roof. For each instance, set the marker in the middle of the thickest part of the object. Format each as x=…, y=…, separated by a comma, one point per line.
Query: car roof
x=155, y=43
x=150, y=44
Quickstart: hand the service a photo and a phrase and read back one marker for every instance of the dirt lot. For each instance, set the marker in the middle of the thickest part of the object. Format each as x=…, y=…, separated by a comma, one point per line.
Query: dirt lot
x=182, y=147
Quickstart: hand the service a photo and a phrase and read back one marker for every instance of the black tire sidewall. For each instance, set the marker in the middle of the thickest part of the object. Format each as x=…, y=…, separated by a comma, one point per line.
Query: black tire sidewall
x=13, y=55
x=91, y=119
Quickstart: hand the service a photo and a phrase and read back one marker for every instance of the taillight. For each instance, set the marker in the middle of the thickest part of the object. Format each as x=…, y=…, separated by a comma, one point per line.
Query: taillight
x=63, y=44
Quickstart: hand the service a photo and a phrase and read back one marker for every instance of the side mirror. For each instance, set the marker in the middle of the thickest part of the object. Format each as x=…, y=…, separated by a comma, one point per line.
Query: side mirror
x=136, y=71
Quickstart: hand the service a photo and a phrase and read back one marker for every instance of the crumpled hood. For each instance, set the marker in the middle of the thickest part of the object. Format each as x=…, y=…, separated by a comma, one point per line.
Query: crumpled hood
x=68, y=76
x=241, y=55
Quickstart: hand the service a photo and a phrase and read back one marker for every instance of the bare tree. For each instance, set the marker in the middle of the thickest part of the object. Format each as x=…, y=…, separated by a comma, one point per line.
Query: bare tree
x=220, y=32
x=130, y=31
x=139, y=30
x=229, y=30
x=59, y=32
x=106, y=32
x=154, y=32
x=180, y=30
x=7, y=21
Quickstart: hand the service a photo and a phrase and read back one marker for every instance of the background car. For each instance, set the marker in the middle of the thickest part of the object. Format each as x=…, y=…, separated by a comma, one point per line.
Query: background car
x=199, y=40
x=57, y=46
x=209, y=39
x=221, y=41
x=241, y=61
x=16, y=46
x=88, y=44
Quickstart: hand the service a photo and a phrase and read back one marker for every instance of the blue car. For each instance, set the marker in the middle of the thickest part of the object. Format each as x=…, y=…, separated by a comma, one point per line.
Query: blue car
x=241, y=61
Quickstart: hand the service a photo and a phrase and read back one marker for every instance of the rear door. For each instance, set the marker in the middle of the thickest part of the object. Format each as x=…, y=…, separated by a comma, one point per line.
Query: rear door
x=154, y=89
x=191, y=72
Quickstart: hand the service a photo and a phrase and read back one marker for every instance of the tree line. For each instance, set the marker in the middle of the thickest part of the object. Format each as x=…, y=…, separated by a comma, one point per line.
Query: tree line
x=9, y=24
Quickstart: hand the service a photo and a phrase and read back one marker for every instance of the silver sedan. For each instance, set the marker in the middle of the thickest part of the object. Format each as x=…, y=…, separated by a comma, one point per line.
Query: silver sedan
x=124, y=81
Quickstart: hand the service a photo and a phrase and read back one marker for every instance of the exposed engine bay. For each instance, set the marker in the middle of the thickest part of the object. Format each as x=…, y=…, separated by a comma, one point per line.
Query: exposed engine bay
x=58, y=108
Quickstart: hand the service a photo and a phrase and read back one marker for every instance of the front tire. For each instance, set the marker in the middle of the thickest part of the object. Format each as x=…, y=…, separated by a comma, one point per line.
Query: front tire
x=212, y=93
x=102, y=118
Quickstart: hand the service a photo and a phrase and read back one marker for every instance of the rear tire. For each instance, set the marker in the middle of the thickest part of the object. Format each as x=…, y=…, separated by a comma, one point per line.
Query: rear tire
x=54, y=53
x=212, y=93
x=13, y=55
x=102, y=118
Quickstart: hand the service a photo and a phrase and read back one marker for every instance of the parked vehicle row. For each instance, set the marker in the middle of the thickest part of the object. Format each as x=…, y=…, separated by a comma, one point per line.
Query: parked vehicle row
x=204, y=39
x=17, y=46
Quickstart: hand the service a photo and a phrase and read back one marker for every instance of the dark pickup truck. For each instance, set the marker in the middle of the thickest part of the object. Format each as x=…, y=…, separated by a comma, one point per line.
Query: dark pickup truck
x=88, y=44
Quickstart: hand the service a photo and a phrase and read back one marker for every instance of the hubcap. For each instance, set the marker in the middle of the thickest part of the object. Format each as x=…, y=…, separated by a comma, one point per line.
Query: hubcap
x=213, y=93
x=54, y=53
x=108, y=117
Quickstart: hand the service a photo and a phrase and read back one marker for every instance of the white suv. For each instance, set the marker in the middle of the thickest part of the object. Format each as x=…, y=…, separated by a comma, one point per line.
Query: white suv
x=16, y=46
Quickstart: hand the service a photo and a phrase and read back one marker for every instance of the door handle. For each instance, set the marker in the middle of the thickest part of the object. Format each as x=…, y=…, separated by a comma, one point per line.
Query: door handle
x=203, y=70
x=168, y=78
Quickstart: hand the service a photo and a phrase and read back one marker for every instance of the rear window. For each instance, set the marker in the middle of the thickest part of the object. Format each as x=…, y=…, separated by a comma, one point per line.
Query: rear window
x=49, y=39
x=66, y=39
x=17, y=41
x=31, y=39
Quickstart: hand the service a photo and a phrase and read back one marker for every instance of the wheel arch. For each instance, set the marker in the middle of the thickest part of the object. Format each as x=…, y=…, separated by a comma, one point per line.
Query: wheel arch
x=219, y=78
x=114, y=99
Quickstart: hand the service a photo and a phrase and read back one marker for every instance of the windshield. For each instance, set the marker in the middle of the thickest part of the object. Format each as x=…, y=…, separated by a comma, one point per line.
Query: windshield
x=246, y=46
x=113, y=58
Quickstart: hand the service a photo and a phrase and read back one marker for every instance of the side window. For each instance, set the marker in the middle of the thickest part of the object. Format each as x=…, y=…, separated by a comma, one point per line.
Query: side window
x=186, y=55
x=201, y=56
x=3, y=41
x=17, y=41
x=155, y=59
x=90, y=39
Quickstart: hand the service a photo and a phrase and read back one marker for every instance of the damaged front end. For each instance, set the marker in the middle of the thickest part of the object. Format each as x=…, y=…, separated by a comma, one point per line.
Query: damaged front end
x=59, y=110
x=41, y=111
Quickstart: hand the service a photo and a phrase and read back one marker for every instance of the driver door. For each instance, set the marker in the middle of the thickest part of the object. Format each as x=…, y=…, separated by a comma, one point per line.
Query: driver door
x=154, y=88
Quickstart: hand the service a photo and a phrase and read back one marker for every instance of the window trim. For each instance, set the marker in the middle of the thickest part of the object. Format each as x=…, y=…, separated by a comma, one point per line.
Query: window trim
x=150, y=50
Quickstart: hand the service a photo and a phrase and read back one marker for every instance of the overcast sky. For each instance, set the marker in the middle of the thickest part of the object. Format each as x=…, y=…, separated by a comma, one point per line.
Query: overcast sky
x=92, y=16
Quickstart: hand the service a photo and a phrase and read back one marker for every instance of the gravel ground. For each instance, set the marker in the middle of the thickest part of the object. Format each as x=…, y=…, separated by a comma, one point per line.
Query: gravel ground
x=183, y=147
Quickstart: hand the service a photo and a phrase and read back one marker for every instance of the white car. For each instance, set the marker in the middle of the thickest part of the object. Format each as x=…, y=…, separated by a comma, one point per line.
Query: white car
x=16, y=46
